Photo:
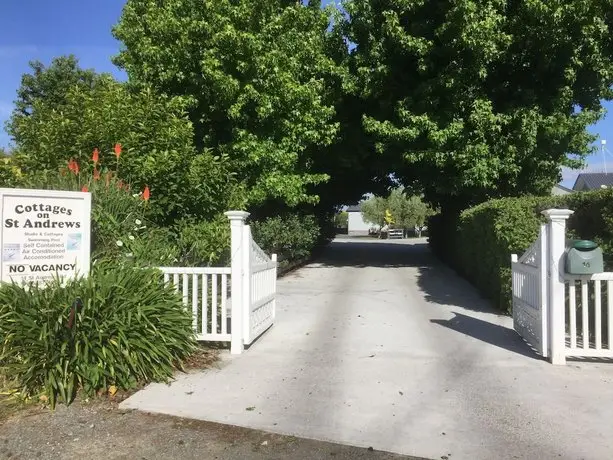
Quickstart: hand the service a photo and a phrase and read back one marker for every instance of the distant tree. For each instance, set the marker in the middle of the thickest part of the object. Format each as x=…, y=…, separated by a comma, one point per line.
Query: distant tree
x=399, y=209
x=373, y=210
x=49, y=84
x=341, y=219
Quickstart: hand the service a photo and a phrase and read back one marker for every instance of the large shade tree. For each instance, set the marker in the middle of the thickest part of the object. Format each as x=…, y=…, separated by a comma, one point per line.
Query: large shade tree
x=261, y=77
x=476, y=99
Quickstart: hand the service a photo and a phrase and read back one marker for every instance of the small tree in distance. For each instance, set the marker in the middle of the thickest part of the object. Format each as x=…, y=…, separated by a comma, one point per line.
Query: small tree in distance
x=408, y=212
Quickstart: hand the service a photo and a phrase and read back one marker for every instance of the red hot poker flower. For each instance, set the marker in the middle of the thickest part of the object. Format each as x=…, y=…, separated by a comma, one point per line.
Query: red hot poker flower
x=73, y=166
x=96, y=156
x=146, y=193
x=96, y=174
x=84, y=189
x=117, y=150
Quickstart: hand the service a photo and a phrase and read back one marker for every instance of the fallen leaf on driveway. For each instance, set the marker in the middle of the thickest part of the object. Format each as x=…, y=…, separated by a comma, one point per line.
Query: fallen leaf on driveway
x=250, y=408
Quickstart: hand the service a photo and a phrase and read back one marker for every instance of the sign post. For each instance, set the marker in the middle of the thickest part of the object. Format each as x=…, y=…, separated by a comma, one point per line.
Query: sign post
x=44, y=234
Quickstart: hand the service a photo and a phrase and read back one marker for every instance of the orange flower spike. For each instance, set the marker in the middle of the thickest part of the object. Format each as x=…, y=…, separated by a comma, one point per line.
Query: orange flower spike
x=73, y=166
x=96, y=174
x=117, y=150
x=84, y=189
x=146, y=193
x=107, y=178
x=96, y=156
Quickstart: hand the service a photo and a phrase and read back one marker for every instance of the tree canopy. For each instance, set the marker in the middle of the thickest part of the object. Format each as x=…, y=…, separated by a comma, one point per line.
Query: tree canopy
x=260, y=75
x=473, y=99
x=277, y=104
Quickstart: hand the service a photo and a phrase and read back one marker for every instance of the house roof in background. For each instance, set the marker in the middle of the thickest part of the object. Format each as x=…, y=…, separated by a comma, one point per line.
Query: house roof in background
x=354, y=208
x=594, y=181
x=561, y=187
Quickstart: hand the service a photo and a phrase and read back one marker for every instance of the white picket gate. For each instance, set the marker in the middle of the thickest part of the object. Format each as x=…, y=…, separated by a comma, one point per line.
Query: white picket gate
x=530, y=295
x=547, y=301
x=233, y=304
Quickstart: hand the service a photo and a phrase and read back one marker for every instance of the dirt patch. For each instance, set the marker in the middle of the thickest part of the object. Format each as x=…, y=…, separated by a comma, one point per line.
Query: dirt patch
x=98, y=430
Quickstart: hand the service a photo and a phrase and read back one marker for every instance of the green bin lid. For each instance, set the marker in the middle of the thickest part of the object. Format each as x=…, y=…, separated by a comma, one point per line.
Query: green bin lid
x=584, y=245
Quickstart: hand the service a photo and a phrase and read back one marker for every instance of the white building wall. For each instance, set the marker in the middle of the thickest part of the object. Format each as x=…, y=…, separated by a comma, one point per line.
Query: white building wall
x=356, y=224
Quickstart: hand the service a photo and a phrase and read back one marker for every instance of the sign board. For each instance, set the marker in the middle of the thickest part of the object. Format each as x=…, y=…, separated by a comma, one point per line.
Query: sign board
x=45, y=234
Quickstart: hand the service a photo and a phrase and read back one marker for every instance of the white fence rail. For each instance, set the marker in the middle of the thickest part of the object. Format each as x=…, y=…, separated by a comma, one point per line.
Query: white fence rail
x=589, y=316
x=395, y=234
x=206, y=292
x=233, y=304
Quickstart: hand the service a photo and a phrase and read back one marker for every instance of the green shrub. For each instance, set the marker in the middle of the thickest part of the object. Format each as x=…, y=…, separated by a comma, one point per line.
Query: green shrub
x=128, y=329
x=292, y=237
x=121, y=227
x=479, y=243
x=205, y=243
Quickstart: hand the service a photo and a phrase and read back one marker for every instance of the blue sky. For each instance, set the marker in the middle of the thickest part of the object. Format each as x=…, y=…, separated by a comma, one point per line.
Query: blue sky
x=43, y=29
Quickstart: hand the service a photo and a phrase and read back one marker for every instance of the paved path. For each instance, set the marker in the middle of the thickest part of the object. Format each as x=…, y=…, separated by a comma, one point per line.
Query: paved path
x=380, y=345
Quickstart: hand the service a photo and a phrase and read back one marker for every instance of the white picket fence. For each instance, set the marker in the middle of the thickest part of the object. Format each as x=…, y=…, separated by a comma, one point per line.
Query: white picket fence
x=233, y=304
x=558, y=314
x=589, y=328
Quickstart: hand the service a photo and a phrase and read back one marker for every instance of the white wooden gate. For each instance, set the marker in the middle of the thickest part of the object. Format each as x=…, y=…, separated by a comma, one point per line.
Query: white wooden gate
x=233, y=304
x=260, y=289
x=529, y=278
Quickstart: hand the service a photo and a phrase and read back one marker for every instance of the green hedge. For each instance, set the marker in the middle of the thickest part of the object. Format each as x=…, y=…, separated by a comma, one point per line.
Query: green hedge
x=292, y=237
x=479, y=242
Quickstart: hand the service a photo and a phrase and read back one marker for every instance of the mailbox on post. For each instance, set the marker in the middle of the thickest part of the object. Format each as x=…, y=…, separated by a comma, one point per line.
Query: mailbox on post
x=584, y=257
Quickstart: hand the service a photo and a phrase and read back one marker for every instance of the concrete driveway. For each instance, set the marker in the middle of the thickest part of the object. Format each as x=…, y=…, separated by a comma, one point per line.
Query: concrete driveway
x=378, y=344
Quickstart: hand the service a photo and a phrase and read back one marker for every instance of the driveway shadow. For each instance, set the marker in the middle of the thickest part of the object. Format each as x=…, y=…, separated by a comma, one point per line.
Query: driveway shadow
x=361, y=252
x=443, y=286
x=439, y=284
x=487, y=332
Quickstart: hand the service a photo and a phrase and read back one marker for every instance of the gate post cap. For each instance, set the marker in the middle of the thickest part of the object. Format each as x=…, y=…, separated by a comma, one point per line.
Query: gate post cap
x=557, y=213
x=236, y=215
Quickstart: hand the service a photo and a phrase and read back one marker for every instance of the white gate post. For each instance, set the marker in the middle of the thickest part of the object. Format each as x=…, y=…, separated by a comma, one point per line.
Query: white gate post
x=237, y=225
x=556, y=234
x=246, y=248
x=274, y=284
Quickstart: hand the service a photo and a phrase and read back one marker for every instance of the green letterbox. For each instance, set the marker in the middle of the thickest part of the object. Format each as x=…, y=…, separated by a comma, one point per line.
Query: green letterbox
x=584, y=257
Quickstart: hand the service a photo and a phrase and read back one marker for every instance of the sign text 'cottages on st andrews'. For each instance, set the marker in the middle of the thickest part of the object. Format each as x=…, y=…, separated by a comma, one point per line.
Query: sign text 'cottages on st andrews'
x=44, y=234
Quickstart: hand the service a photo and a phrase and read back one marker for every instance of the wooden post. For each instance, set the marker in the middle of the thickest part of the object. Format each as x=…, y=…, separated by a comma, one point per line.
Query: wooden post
x=237, y=225
x=556, y=234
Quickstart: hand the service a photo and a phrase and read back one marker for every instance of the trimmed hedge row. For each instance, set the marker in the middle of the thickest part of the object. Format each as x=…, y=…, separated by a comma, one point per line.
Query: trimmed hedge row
x=478, y=244
x=292, y=237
